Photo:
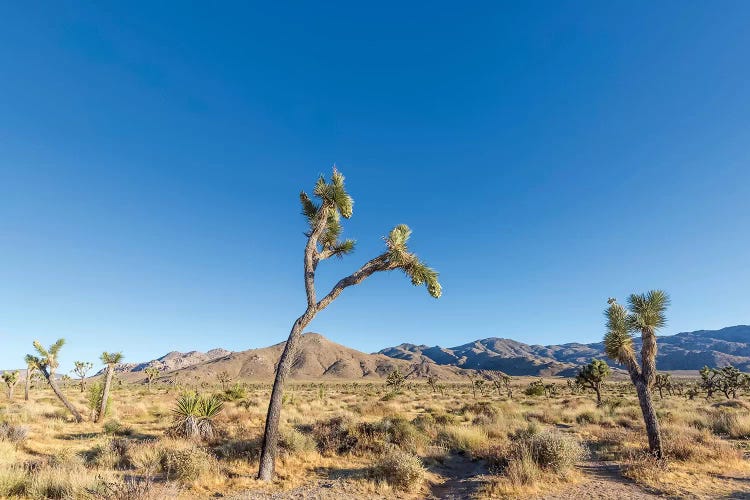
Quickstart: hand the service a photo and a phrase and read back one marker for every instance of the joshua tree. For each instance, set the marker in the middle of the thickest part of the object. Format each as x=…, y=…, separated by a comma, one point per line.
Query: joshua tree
x=224, y=379
x=727, y=379
x=663, y=381
x=645, y=316
x=151, y=373
x=592, y=377
x=432, y=381
x=47, y=363
x=395, y=380
x=81, y=368
x=11, y=379
x=504, y=383
x=324, y=219
x=109, y=359
x=31, y=367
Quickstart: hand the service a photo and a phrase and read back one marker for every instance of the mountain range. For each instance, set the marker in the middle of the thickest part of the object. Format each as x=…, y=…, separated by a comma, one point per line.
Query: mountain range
x=320, y=358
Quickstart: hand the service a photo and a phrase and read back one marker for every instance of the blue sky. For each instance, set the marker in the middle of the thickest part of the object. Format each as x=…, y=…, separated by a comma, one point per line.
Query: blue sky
x=546, y=155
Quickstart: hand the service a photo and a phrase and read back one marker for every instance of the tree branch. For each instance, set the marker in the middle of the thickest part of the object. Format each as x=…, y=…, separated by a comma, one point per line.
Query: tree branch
x=379, y=263
x=311, y=254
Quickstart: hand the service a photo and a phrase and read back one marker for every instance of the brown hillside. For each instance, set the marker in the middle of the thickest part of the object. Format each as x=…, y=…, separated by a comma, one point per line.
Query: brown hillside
x=318, y=358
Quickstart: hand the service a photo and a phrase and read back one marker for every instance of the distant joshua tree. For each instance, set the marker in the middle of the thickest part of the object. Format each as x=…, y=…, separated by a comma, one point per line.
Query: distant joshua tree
x=645, y=315
x=224, y=378
x=728, y=380
x=151, y=373
x=31, y=368
x=395, y=380
x=592, y=377
x=81, y=368
x=324, y=219
x=502, y=384
x=109, y=359
x=47, y=363
x=11, y=379
x=663, y=381
x=432, y=381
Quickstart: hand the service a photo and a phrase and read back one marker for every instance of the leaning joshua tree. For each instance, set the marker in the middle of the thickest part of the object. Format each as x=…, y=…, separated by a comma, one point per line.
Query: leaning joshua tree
x=47, y=363
x=645, y=314
x=109, y=359
x=11, y=379
x=324, y=218
x=81, y=368
x=592, y=377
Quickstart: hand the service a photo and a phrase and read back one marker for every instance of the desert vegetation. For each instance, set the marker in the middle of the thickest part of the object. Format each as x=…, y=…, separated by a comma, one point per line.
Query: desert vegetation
x=368, y=440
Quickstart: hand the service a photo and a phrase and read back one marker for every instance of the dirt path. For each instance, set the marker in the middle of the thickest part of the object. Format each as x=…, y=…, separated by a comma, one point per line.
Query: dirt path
x=463, y=478
x=603, y=480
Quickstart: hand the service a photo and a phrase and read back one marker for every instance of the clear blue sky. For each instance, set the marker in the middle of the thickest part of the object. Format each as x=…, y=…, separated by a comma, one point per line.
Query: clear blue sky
x=547, y=155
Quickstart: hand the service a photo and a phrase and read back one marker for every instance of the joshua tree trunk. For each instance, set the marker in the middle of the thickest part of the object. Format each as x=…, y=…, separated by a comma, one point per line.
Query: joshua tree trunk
x=53, y=384
x=27, y=385
x=10, y=393
x=270, y=437
x=649, y=417
x=105, y=393
x=598, y=390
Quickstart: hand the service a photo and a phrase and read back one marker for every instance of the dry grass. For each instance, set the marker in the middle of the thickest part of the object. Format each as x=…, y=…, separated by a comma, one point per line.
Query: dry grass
x=350, y=436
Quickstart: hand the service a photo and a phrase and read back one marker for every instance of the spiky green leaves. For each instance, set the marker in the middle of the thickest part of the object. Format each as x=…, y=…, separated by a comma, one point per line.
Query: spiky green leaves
x=335, y=203
x=111, y=358
x=400, y=257
x=618, y=343
x=647, y=311
x=47, y=357
x=594, y=372
x=11, y=378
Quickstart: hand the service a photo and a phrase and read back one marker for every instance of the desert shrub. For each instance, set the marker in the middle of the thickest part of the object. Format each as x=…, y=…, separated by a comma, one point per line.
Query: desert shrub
x=114, y=454
x=423, y=421
x=186, y=464
x=94, y=400
x=481, y=409
x=535, y=388
x=116, y=428
x=14, y=482
x=294, y=441
x=463, y=439
x=335, y=435
x=531, y=429
x=402, y=470
x=134, y=488
x=552, y=450
x=729, y=423
x=587, y=417
x=15, y=434
x=522, y=470
x=234, y=393
x=238, y=449
x=442, y=418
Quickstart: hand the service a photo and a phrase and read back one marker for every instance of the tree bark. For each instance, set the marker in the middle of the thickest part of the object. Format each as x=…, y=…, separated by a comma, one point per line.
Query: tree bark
x=27, y=385
x=53, y=384
x=10, y=392
x=649, y=417
x=105, y=394
x=598, y=395
x=270, y=436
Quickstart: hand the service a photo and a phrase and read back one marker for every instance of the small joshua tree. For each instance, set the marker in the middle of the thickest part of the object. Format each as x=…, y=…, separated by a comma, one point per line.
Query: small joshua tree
x=47, y=363
x=592, y=377
x=323, y=242
x=395, y=380
x=31, y=368
x=11, y=379
x=151, y=373
x=663, y=381
x=504, y=384
x=224, y=379
x=194, y=416
x=432, y=381
x=81, y=368
x=728, y=380
x=645, y=315
x=111, y=360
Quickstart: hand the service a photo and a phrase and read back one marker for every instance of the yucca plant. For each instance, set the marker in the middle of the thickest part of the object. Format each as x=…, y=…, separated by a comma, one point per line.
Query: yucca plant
x=194, y=416
x=323, y=242
x=31, y=368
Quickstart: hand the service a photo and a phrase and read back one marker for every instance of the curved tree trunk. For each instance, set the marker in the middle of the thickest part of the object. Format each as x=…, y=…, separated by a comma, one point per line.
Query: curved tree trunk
x=105, y=394
x=270, y=436
x=649, y=418
x=598, y=395
x=56, y=389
